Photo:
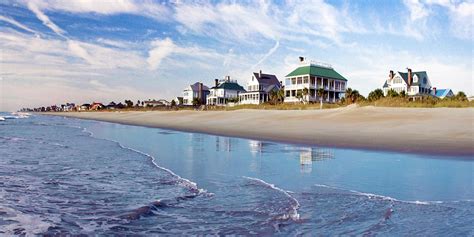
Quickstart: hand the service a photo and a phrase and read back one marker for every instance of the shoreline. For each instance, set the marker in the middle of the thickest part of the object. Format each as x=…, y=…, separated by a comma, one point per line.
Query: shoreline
x=433, y=131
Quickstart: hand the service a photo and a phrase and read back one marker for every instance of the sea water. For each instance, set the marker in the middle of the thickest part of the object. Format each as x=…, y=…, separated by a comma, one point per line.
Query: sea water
x=63, y=176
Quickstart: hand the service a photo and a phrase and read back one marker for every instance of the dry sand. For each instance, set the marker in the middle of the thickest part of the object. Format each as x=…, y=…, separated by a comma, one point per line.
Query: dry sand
x=444, y=131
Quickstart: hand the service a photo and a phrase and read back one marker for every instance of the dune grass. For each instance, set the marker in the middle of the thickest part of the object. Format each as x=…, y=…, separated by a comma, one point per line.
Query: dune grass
x=425, y=103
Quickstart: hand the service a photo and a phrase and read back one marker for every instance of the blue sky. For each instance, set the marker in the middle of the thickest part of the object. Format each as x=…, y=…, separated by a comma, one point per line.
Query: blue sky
x=85, y=50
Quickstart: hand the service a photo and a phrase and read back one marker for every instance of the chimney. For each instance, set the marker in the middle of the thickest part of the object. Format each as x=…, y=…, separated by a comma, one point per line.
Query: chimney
x=260, y=74
x=410, y=77
x=391, y=74
x=434, y=91
x=216, y=82
x=301, y=59
x=200, y=92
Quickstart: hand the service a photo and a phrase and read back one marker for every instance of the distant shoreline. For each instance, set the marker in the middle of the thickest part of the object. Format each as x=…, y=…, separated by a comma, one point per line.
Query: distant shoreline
x=435, y=131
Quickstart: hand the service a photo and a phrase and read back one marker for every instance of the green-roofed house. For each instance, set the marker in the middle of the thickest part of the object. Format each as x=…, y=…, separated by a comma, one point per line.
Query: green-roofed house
x=413, y=83
x=224, y=91
x=314, y=76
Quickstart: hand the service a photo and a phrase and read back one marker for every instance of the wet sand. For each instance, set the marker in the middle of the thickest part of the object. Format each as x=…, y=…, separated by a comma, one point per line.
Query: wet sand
x=442, y=131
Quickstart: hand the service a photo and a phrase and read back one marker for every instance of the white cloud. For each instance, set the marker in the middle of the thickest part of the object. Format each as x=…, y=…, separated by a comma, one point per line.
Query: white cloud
x=417, y=9
x=461, y=15
x=462, y=22
x=228, y=21
x=161, y=49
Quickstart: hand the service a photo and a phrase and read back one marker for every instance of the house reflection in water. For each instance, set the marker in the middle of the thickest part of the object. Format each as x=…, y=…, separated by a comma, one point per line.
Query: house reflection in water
x=256, y=147
x=309, y=155
x=224, y=143
x=259, y=147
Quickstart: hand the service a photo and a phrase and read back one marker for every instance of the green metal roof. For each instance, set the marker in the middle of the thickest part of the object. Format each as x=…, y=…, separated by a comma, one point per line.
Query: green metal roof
x=316, y=71
x=230, y=86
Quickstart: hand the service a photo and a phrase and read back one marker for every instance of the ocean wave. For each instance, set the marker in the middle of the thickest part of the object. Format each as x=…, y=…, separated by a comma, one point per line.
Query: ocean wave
x=293, y=214
x=388, y=198
x=186, y=183
x=19, y=223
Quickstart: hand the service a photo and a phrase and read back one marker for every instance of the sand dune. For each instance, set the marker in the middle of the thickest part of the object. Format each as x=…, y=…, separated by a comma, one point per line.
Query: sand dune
x=436, y=131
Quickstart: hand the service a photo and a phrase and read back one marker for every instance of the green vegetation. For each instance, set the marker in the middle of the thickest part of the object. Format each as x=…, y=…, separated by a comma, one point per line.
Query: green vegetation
x=394, y=99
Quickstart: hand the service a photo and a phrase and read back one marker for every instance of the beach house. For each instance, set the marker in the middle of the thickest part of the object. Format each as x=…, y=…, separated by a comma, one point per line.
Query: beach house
x=412, y=83
x=259, y=88
x=224, y=91
x=195, y=91
x=442, y=93
x=311, y=76
x=97, y=106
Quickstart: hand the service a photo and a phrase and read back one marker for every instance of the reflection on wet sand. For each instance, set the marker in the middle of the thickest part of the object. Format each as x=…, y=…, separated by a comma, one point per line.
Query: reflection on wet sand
x=309, y=155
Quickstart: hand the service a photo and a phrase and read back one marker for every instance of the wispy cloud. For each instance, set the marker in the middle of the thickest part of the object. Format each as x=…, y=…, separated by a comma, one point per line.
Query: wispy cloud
x=17, y=24
x=149, y=8
x=45, y=19
x=161, y=49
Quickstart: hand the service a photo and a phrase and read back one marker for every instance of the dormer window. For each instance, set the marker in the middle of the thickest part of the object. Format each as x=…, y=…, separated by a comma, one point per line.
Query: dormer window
x=424, y=80
x=415, y=79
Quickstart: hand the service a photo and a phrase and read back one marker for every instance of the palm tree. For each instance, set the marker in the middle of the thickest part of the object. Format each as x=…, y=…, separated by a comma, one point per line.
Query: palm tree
x=305, y=93
x=320, y=93
x=461, y=96
x=196, y=102
x=299, y=94
x=354, y=96
x=273, y=96
x=281, y=94
x=348, y=94
x=375, y=95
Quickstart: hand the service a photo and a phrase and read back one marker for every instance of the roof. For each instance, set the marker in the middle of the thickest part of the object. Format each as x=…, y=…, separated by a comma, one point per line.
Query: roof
x=268, y=79
x=315, y=70
x=229, y=86
x=420, y=75
x=442, y=92
x=195, y=87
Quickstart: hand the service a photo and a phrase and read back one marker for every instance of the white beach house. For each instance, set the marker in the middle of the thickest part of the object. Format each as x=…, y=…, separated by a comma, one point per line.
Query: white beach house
x=224, y=91
x=259, y=88
x=313, y=75
x=196, y=90
x=412, y=83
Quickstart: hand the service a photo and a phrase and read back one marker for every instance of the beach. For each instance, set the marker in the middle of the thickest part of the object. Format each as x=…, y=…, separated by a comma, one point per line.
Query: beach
x=437, y=131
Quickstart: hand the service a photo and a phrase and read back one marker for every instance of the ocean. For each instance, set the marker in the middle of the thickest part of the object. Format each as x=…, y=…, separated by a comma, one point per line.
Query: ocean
x=63, y=176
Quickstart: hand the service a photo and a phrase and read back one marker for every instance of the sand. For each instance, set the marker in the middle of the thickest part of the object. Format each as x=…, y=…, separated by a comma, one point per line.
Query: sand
x=442, y=131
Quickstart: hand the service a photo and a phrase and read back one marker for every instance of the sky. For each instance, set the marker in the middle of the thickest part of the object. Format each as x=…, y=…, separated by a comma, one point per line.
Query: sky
x=56, y=51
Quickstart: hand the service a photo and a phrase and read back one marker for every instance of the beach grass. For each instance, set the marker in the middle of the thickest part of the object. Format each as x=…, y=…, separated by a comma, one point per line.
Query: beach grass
x=425, y=103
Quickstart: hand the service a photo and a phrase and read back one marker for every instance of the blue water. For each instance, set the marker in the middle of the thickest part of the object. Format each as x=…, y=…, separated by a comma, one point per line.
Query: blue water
x=68, y=176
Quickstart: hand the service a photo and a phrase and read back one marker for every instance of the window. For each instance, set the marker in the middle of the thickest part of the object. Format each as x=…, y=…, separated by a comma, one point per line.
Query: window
x=305, y=80
x=397, y=80
x=299, y=80
x=293, y=81
x=425, y=81
x=287, y=93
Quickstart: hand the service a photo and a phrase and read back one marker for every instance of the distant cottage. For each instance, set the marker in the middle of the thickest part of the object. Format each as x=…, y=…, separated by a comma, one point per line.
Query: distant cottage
x=224, y=91
x=259, y=88
x=195, y=91
x=314, y=76
x=412, y=83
